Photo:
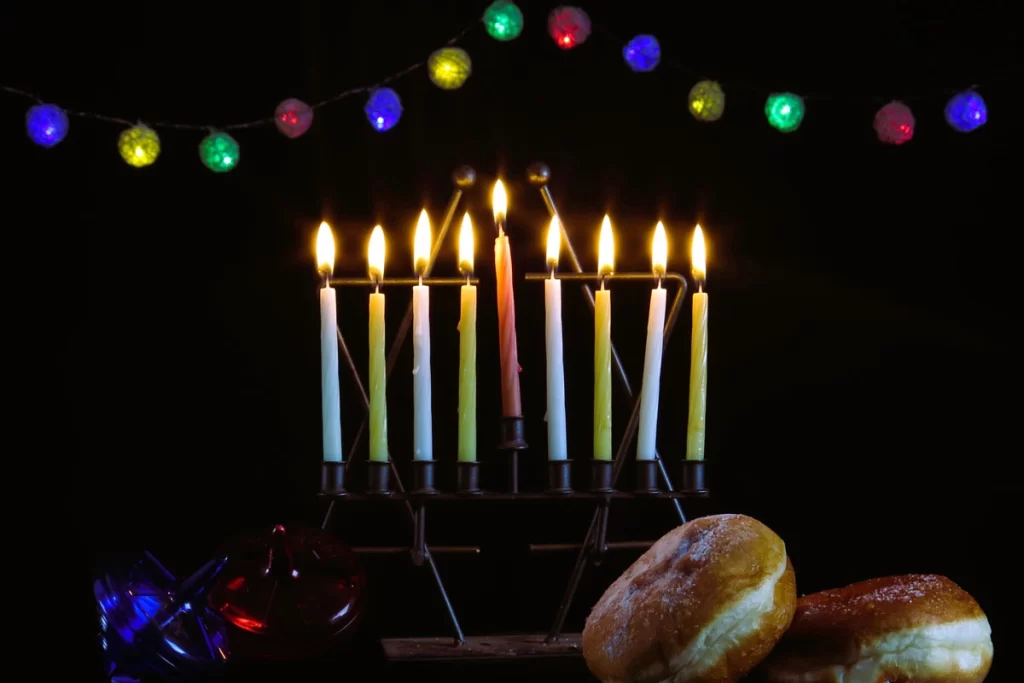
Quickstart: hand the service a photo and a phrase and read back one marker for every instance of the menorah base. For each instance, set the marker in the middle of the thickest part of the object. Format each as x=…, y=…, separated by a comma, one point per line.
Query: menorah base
x=493, y=647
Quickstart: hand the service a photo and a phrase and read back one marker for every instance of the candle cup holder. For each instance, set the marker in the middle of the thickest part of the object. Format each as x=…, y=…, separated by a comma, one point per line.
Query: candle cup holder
x=467, y=479
x=511, y=440
x=647, y=478
x=332, y=478
x=693, y=476
x=513, y=434
x=378, y=478
x=602, y=476
x=560, y=477
x=423, y=472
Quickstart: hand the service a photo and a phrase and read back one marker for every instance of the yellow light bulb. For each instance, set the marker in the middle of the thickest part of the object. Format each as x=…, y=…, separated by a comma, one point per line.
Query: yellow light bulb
x=325, y=249
x=659, y=250
x=466, y=246
x=375, y=254
x=554, y=241
x=698, y=256
x=421, y=243
x=606, y=249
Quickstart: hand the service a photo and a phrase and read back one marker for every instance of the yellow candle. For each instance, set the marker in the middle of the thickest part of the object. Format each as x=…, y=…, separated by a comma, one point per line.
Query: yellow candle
x=698, y=354
x=467, y=348
x=378, y=373
x=603, y=348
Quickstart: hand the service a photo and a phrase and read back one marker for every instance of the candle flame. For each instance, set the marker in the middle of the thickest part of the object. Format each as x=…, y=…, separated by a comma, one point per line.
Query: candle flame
x=659, y=250
x=466, y=246
x=325, y=249
x=606, y=249
x=499, y=200
x=375, y=254
x=554, y=241
x=422, y=243
x=697, y=255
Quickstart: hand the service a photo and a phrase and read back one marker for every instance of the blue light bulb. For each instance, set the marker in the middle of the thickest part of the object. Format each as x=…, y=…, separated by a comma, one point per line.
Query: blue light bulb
x=47, y=124
x=384, y=109
x=642, y=53
x=966, y=111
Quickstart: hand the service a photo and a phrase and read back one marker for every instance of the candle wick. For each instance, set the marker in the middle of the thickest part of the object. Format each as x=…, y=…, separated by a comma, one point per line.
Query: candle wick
x=468, y=276
x=377, y=286
x=603, y=278
x=700, y=287
x=421, y=280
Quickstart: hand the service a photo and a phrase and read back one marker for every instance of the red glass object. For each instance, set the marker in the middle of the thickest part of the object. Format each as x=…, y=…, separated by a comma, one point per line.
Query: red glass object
x=568, y=26
x=894, y=123
x=289, y=593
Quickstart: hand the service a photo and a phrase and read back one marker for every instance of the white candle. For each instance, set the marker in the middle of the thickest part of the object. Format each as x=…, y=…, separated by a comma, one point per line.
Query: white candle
x=647, y=429
x=557, y=447
x=422, y=435
x=330, y=390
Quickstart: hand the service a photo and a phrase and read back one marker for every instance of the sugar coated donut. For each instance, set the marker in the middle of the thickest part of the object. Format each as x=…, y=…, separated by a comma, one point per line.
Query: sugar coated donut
x=898, y=629
x=706, y=604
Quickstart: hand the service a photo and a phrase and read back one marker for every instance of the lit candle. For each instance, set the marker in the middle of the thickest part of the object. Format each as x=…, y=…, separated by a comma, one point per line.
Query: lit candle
x=467, y=348
x=603, y=347
x=378, y=373
x=422, y=427
x=330, y=391
x=698, y=353
x=647, y=430
x=557, y=447
x=511, y=405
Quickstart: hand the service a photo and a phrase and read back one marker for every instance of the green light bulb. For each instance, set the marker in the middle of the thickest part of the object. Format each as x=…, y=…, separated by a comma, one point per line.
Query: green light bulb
x=785, y=111
x=504, y=21
x=219, y=152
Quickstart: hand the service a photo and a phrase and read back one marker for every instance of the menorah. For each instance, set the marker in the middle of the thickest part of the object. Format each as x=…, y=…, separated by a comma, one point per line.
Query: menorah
x=384, y=484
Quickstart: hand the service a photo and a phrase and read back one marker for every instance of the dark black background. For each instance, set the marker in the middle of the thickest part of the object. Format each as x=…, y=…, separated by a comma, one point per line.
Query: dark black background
x=862, y=386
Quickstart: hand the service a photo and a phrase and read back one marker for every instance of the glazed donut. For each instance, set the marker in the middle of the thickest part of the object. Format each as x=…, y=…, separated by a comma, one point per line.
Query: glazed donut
x=899, y=629
x=705, y=604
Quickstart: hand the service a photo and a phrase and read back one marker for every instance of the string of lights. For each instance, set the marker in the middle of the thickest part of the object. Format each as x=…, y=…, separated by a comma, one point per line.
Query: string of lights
x=448, y=68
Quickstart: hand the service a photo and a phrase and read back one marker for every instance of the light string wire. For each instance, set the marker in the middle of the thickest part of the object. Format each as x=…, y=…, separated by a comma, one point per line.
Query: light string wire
x=733, y=84
x=668, y=61
x=255, y=123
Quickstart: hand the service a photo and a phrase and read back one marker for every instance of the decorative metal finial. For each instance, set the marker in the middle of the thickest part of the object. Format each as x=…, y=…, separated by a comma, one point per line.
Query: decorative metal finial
x=464, y=177
x=538, y=174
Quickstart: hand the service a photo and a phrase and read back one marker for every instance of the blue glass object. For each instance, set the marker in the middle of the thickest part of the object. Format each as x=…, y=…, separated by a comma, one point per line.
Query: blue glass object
x=152, y=624
x=966, y=111
x=47, y=124
x=642, y=53
x=383, y=109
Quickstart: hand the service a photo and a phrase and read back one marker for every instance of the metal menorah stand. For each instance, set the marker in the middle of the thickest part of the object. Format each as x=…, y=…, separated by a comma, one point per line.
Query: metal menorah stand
x=385, y=484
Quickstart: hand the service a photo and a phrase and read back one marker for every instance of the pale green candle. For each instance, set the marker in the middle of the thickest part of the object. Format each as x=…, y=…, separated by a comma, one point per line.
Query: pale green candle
x=467, y=349
x=378, y=371
x=698, y=355
x=603, y=349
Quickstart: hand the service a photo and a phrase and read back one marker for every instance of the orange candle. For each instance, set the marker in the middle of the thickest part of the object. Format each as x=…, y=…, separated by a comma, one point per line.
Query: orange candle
x=511, y=404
